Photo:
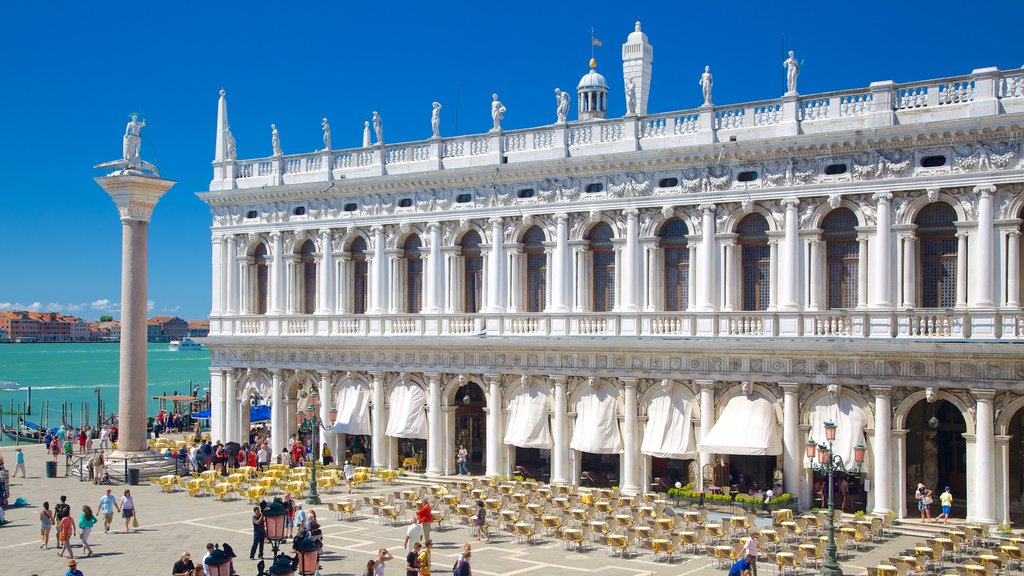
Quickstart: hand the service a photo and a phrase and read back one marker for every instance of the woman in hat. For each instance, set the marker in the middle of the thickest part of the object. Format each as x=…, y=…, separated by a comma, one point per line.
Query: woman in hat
x=924, y=502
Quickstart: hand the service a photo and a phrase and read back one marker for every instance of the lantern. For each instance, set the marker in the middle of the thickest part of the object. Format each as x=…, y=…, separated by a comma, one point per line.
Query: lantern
x=275, y=515
x=830, y=431
x=810, y=448
x=858, y=453
x=334, y=414
x=309, y=410
x=282, y=567
x=823, y=454
x=309, y=557
x=219, y=563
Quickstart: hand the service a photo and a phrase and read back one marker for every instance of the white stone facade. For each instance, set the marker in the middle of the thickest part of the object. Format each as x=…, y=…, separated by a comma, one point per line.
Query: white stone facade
x=868, y=239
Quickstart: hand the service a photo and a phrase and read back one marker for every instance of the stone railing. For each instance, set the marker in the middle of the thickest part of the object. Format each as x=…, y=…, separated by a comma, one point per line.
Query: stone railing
x=985, y=92
x=922, y=324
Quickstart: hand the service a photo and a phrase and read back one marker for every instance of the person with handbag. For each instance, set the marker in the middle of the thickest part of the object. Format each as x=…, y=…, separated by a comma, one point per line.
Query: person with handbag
x=65, y=530
x=85, y=524
x=924, y=502
x=128, y=511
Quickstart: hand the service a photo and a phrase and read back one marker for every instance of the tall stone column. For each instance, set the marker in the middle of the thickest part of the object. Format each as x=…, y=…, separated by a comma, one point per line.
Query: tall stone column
x=326, y=403
x=135, y=197
x=378, y=285
x=791, y=275
x=216, y=404
x=909, y=242
x=560, y=273
x=791, y=445
x=217, y=260
x=377, y=440
x=494, y=435
x=862, y=272
x=325, y=274
x=1003, y=473
x=277, y=275
x=559, y=434
x=435, y=423
x=278, y=429
x=515, y=269
x=814, y=270
x=230, y=407
x=1013, y=269
x=435, y=271
x=773, y=271
x=730, y=281
x=631, y=267
x=882, y=466
x=630, y=438
x=961, y=268
x=497, y=268
x=882, y=260
x=231, y=266
x=984, y=258
x=707, y=420
x=706, y=301
x=984, y=497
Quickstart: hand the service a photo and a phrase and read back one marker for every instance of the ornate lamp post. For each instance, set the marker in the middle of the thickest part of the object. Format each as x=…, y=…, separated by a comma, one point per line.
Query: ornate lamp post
x=219, y=563
x=312, y=424
x=309, y=557
x=829, y=463
x=275, y=515
x=282, y=567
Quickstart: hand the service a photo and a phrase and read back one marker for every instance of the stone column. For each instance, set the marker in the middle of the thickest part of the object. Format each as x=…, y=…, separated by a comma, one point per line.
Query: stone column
x=881, y=258
x=216, y=298
x=561, y=265
x=581, y=258
x=435, y=440
x=497, y=268
x=961, y=268
x=1013, y=269
x=630, y=439
x=277, y=275
x=516, y=287
x=231, y=265
x=326, y=403
x=814, y=271
x=278, y=431
x=882, y=467
x=435, y=271
x=862, y=271
x=691, y=277
x=984, y=497
x=344, y=285
x=706, y=302
x=377, y=420
x=230, y=408
x=707, y=420
x=1003, y=473
x=773, y=272
x=494, y=435
x=984, y=259
x=325, y=274
x=730, y=280
x=378, y=271
x=791, y=275
x=900, y=436
x=791, y=445
x=135, y=198
x=631, y=268
x=216, y=404
x=559, y=434
x=654, y=272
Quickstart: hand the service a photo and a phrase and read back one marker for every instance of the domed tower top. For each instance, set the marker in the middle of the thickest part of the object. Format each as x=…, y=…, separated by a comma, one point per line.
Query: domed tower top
x=637, y=59
x=592, y=92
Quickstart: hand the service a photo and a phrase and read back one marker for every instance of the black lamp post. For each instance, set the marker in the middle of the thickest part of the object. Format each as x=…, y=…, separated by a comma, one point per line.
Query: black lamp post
x=275, y=515
x=282, y=566
x=219, y=563
x=829, y=463
x=309, y=557
x=312, y=424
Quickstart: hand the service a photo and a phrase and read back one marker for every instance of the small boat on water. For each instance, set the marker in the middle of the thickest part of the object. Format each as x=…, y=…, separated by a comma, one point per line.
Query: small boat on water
x=28, y=432
x=184, y=345
x=8, y=385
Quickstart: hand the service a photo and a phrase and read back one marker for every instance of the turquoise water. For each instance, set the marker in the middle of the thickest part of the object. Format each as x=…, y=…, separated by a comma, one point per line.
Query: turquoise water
x=70, y=373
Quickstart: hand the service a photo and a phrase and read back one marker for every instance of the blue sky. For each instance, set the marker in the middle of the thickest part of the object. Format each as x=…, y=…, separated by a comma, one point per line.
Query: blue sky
x=72, y=72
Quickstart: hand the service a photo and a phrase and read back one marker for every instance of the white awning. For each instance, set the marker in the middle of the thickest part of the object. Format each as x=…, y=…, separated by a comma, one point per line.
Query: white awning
x=669, y=430
x=849, y=418
x=407, y=417
x=747, y=427
x=597, y=426
x=527, y=425
x=353, y=404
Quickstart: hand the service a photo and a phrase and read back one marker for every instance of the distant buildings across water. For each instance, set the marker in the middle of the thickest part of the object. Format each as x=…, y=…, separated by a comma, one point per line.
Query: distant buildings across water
x=20, y=326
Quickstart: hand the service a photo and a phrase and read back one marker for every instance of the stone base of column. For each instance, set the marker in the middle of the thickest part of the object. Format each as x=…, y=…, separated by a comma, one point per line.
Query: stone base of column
x=984, y=322
x=149, y=464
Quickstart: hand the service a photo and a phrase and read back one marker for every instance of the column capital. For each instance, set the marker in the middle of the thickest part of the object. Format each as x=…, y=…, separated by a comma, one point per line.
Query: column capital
x=377, y=229
x=558, y=380
x=326, y=232
x=431, y=376
x=324, y=373
x=275, y=235
x=431, y=226
x=493, y=378
x=1002, y=439
x=562, y=217
x=706, y=207
x=1013, y=233
x=985, y=189
x=882, y=197
x=277, y=373
x=983, y=395
x=631, y=212
x=706, y=384
x=790, y=202
x=881, y=391
x=494, y=220
x=789, y=387
x=630, y=382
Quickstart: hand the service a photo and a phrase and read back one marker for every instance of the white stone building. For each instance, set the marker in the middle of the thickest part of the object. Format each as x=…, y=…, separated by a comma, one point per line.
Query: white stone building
x=640, y=296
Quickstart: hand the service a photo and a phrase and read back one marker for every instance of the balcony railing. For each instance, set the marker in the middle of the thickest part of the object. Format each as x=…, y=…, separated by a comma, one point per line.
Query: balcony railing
x=920, y=324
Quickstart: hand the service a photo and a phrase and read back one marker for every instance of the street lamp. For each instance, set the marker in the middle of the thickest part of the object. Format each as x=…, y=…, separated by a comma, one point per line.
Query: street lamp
x=829, y=463
x=309, y=557
x=282, y=566
x=219, y=563
x=275, y=515
x=312, y=424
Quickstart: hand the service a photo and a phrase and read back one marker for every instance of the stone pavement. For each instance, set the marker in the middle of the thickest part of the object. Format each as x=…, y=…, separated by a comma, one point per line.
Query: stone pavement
x=172, y=523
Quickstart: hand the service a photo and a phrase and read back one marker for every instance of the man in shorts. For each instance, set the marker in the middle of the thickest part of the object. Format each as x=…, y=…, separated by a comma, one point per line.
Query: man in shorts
x=413, y=534
x=106, y=509
x=946, y=500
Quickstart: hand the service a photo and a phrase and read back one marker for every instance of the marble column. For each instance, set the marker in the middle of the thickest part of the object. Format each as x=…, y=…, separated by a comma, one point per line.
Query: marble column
x=1013, y=269
x=378, y=270
x=790, y=284
x=631, y=268
x=230, y=408
x=707, y=421
x=277, y=275
x=217, y=297
x=435, y=271
x=325, y=274
x=494, y=435
x=773, y=273
x=881, y=468
x=814, y=271
x=707, y=271
x=862, y=272
x=278, y=431
x=881, y=258
x=900, y=436
x=231, y=265
x=791, y=445
x=984, y=259
x=377, y=420
x=1003, y=473
x=630, y=438
x=560, y=434
x=516, y=287
x=984, y=489
x=691, y=277
x=216, y=404
x=435, y=423
x=961, y=268
x=497, y=267
x=326, y=404
x=561, y=265
x=730, y=280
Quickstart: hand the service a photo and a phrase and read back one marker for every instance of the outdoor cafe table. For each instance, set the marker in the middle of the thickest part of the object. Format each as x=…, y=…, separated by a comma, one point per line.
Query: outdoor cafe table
x=667, y=522
x=887, y=569
x=603, y=506
x=974, y=569
x=409, y=494
x=378, y=500
x=691, y=516
x=784, y=514
x=660, y=544
x=573, y=532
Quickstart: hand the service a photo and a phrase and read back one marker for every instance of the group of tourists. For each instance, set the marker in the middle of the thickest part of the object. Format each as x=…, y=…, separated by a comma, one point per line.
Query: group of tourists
x=61, y=518
x=923, y=495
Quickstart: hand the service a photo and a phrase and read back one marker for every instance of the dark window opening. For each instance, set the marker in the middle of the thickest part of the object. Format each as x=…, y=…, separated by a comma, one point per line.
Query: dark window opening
x=299, y=211
x=351, y=207
x=526, y=193
x=835, y=169
x=405, y=203
x=250, y=214
x=933, y=161
x=668, y=182
x=594, y=188
x=463, y=198
x=747, y=176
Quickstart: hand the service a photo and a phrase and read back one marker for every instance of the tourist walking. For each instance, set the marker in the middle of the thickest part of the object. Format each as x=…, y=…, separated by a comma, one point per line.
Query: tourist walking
x=349, y=473
x=45, y=525
x=425, y=516
x=461, y=456
x=19, y=462
x=85, y=524
x=107, y=505
x=73, y=569
x=462, y=565
x=946, y=501
x=749, y=550
x=300, y=517
x=412, y=560
x=412, y=534
x=259, y=532
x=424, y=558
x=466, y=549
x=375, y=567
x=65, y=530
x=104, y=439
x=61, y=510
x=128, y=511
x=924, y=502
x=481, y=522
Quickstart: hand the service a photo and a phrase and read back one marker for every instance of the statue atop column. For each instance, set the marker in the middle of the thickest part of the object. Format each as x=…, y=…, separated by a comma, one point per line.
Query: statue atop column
x=131, y=145
x=792, y=71
x=275, y=140
x=497, y=112
x=706, y=82
x=435, y=121
x=327, y=134
x=562, y=101
x=378, y=127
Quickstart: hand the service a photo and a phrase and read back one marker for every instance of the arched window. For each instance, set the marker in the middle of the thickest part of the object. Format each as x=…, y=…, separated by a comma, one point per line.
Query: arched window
x=413, y=274
x=260, y=259
x=308, y=287
x=842, y=254
x=536, y=270
x=676, y=256
x=755, y=270
x=359, y=275
x=473, y=270
x=603, y=260
x=937, y=234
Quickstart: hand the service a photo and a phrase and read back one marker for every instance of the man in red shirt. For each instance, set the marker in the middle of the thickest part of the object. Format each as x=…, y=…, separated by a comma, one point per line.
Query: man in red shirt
x=425, y=516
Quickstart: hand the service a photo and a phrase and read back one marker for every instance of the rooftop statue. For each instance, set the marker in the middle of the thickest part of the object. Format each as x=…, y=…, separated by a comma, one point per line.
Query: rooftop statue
x=378, y=127
x=275, y=140
x=706, y=82
x=792, y=71
x=230, y=150
x=631, y=98
x=562, y=110
x=435, y=121
x=130, y=162
x=497, y=112
x=366, y=134
x=327, y=134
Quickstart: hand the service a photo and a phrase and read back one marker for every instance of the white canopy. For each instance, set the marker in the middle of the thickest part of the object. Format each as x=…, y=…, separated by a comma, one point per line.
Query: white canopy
x=353, y=403
x=527, y=425
x=849, y=418
x=407, y=417
x=669, y=430
x=747, y=427
x=597, y=426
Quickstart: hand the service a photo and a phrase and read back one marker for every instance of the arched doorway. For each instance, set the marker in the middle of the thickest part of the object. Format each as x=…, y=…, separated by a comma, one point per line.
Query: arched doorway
x=936, y=454
x=470, y=426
